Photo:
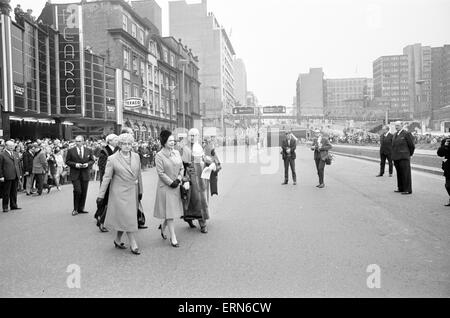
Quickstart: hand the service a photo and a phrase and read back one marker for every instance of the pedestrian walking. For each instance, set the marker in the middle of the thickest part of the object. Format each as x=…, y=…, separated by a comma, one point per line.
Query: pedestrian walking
x=197, y=206
x=444, y=151
x=386, y=151
x=80, y=161
x=123, y=178
x=110, y=149
x=321, y=146
x=168, y=205
x=402, y=151
x=27, y=160
x=9, y=176
x=40, y=167
x=288, y=153
x=59, y=167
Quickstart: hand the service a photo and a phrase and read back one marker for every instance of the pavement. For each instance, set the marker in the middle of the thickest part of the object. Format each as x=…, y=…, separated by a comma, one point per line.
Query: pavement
x=264, y=240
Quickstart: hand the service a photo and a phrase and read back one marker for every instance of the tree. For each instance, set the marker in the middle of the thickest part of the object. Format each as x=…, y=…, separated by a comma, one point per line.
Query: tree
x=5, y=8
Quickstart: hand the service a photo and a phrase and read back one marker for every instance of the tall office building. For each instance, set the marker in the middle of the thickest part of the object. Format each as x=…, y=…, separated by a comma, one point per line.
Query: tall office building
x=391, y=86
x=149, y=9
x=347, y=97
x=440, y=87
x=240, y=86
x=310, y=94
x=200, y=30
x=419, y=80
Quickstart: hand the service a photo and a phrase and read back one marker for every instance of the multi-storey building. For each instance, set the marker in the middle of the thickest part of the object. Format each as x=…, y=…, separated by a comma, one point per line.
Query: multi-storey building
x=347, y=97
x=132, y=44
x=440, y=87
x=310, y=94
x=51, y=86
x=240, y=75
x=201, y=31
x=419, y=80
x=391, y=86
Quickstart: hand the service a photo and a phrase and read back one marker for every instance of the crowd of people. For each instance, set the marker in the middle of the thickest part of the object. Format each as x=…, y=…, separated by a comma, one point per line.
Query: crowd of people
x=187, y=178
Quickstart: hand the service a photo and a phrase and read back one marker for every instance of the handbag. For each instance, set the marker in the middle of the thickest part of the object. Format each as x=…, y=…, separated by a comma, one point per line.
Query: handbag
x=329, y=159
x=141, y=217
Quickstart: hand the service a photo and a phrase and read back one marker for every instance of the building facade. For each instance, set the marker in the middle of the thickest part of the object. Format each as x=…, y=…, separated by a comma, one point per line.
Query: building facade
x=240, y=75
x=419, y=81
x=132, y=44
x=201, y=31
x=440, y=87
x=51, y=86
x=391, y=86
x=347, y=97
x=310, y=94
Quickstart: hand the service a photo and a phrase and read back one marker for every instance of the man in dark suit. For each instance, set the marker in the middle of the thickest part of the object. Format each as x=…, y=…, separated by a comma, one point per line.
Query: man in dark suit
x=9, y=176
x=386, y=151
x=108, y=150
x=402, y=151
x=288, y=152
x=444, y=151
x=27, y=160
x=80, y=161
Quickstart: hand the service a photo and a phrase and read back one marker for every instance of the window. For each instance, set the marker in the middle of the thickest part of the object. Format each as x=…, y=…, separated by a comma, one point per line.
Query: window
x=135, y=91
x=126, y=90
x=165, y=55
x=150, y=73
x=126, y=58
x=172, y=60
x=142, y=68
x=133, y=30
x=125, y=23
x=141, y=36
x=135, y=64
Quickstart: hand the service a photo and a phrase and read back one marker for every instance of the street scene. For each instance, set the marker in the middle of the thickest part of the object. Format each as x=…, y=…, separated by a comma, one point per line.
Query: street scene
x=224, y=149
x=264, y=240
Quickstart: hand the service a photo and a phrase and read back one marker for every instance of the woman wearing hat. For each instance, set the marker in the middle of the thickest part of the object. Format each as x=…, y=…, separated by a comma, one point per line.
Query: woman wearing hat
x=168, y=205
x=124, y=180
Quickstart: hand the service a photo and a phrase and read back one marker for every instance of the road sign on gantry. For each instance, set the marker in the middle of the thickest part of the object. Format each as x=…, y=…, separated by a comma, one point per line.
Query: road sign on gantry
x=243, y=111
x=274, y=110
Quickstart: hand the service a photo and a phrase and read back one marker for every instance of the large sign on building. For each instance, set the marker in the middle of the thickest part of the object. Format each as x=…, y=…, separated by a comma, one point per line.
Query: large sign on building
x=274, y=110
x=71, y=57
x=243, y=111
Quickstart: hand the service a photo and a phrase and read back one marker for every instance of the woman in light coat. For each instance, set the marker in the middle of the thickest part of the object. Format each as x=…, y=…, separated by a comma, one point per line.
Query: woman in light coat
x=123, y=175
x=169, y=167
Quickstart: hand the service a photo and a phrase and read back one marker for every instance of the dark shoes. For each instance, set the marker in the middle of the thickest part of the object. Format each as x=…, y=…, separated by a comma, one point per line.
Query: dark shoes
x=16, y=208
x=102, y=228
x=295, y=182
x=5, y=210
x=448, y=204
x=380, y=175
x=135, y=252
x=321, y=186
x=191, y=225
x=405, y=193
x=398, y=191
x=83, y=212
x=390, y=175
x=120, y=246
x=174, y=245
x=204, y=230
x=74, y=212
x=284, y=183
x=162, y=233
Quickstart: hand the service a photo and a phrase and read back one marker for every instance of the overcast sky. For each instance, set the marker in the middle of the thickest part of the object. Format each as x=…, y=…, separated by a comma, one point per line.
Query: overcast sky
x=278, y=39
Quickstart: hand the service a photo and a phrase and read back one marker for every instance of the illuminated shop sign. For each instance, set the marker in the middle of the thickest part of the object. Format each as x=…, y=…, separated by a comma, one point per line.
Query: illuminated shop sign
x=68, y=17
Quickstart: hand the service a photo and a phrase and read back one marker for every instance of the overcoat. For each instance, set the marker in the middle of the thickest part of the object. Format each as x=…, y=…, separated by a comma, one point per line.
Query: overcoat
x=125, y=184
x=169, y=167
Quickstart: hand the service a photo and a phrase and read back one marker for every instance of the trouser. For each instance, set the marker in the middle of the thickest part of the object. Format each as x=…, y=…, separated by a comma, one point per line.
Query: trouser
x=447, y=184
x=289, y=162
x=80, y=188
x=29, y=183
x=57, y=175
x=40, y=181
x=10, y=193
x=320, y=165
x=403, y=168
x=383, y=158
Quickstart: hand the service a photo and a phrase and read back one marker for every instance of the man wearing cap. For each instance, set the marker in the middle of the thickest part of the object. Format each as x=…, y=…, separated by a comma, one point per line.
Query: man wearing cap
x=386, y=151
x=402, y=151
x=288, y=152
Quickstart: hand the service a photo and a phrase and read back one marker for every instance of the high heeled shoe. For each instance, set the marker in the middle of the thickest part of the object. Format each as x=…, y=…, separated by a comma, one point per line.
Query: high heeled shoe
x=135, y=252
x=120, y=246
x=162, y=233
x=174, y=245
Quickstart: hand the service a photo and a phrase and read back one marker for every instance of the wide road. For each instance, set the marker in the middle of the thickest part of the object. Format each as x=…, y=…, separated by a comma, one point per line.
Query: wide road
x=264, y=240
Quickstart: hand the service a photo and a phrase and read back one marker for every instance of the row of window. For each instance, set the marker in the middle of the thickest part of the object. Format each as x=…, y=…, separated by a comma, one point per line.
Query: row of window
x=136, y=32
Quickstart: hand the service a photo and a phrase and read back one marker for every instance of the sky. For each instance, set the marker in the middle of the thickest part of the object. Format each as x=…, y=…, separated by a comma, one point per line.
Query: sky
x=279, y=39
